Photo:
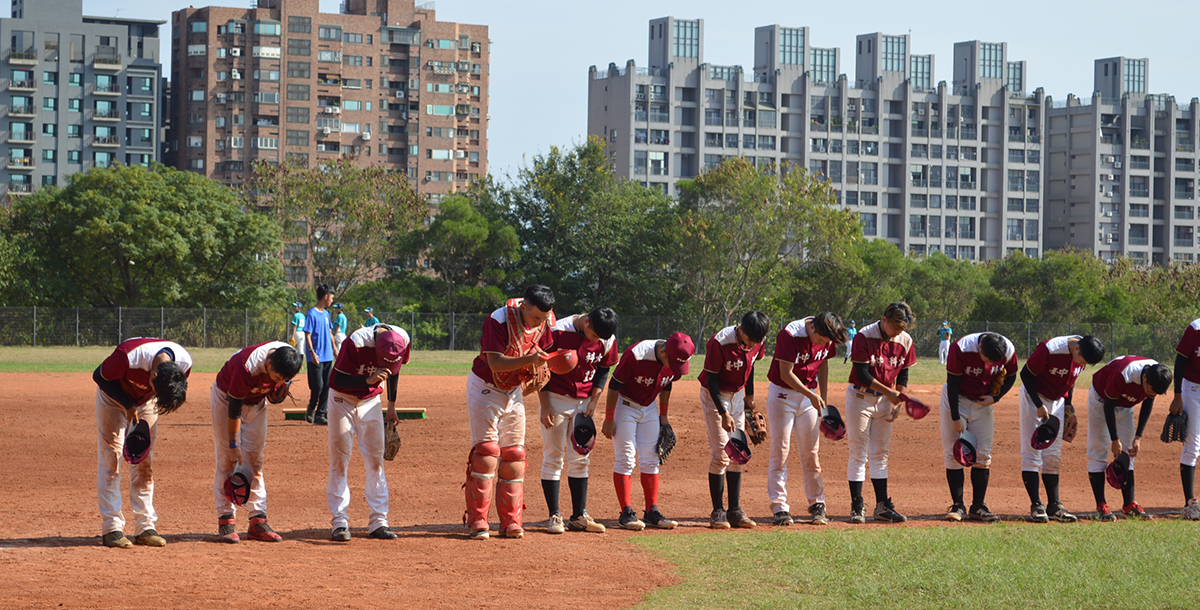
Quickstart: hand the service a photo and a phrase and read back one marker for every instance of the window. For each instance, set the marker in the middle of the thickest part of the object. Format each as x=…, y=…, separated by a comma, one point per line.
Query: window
x=53, y=180
x=237, y=142
x=49, y=154
x=329, y=56
x=766, y=118
x=922, y=77
x=139, y=111
x=791, y=46
x=299, y=69
x=50, y=78
x=297, y=92
x=49, y=103
x=869, y=223
x=267, y=97
x=352, y=38
x=297, y=114
x=300, y=25
x=194, y=50
x=658, y=164
x=195, y=142
x=351, y=105
x=74, y=131
x=268, y=29
x=74, y=105
x=966, y=227
x=299, y=46
x=297, y=137
x=352, y=60
x=893, y=52
x=1015, y=229
x=266, y=143
x=266, y=75
x=74, y=156
x=687, y=38
x=75, y=79
x=639, y=162
x=196, y=95
x=327, y=32
x=824, y=66
x=198, y=27
x=1031, y=230
x=351, y=128
x=49, y=129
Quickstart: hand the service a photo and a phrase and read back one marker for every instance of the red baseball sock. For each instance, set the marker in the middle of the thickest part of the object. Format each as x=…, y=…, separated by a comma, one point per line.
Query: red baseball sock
x=624, y=485
x=650, y=488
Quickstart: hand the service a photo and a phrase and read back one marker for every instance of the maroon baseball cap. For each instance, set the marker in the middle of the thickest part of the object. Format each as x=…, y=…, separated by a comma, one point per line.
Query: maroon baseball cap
x=389, y=350
x=679, y=350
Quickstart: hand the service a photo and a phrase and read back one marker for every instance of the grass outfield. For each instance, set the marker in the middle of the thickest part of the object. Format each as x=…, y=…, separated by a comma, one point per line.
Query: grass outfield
x=1007, y=565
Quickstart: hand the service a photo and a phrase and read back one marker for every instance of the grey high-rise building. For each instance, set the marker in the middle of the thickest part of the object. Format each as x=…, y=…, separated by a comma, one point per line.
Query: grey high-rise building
x=82, y=92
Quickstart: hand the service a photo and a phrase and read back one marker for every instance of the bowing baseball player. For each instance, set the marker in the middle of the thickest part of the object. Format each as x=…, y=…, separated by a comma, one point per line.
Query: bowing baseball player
x=726, y=394
x=1187, y=400
x=239, y=420
x=799, y=376
x=635, y=410
x=1047, y=386
x=142, y=379
x=591, y=336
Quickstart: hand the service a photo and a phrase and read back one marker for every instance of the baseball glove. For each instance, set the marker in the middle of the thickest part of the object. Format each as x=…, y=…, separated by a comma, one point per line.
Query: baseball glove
x=756, y=426
x=1175, y=428
x=665, y=444
x=279, y=393
x=391, y=438
x=1070, y=423
x=998, y=383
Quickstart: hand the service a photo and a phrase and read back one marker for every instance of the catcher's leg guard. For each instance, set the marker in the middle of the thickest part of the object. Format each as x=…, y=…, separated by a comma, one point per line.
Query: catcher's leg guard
x=510, y=493
x=481, y=473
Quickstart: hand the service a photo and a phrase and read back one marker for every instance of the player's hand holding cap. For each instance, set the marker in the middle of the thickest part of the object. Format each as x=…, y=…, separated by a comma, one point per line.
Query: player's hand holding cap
x=389, y=350
x=679, y=350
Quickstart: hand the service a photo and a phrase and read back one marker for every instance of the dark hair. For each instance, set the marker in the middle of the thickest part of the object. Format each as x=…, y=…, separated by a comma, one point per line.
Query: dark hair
x=604, y=322
x=900, y=313
x=1091, y=349
x=323, y=290
x=756, y=325
x=992, y=347
x=540, y=296
x=828, y=324
x=1159, y=376
x=170, y=387
x=286, y=361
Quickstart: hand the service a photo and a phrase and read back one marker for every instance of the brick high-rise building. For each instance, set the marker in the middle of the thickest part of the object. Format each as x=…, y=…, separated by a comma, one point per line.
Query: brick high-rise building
x=383, y=80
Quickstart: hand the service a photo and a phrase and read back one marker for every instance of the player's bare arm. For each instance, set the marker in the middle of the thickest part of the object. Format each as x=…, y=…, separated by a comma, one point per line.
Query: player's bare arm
x=545, y=415
x=664, y=402
x=610, y=407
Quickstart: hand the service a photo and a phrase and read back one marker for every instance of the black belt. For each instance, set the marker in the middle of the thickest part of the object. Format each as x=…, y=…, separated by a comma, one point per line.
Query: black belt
x=868, y=391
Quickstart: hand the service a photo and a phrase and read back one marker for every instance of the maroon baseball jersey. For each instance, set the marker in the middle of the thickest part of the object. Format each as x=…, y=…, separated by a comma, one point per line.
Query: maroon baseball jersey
x=130, y=363
x=495, y=341
x=975, y=376
x=1055, y=369
x=357, y=358
x=794, y=346
x=885, y=358
x=1189, y=347
x=642, y=376
x=1121, y=380
x=245, y=375
x=726, y=359
x=592, y=355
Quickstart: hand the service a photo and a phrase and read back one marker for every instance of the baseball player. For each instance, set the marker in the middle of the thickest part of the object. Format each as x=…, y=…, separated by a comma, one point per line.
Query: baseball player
x=1187, y=400
x=1047, y=385
x=635, y=408
x=297, y=327
x=850, y=332
x=339, y=324
x=1120, y=384
x=510, y=356
x=322, y=350
x=799, y=376
x=239, y=419
x=142, y=379
x=591, y=336
x=371, y=319
x=967, y=398
x=882, y=354
x=369, y=357
x=945, y=336
x=726, y=393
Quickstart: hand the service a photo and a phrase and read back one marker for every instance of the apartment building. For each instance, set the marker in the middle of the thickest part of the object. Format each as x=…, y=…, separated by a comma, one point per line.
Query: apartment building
x=383, y=80
x=953, y=167
x=82, y=92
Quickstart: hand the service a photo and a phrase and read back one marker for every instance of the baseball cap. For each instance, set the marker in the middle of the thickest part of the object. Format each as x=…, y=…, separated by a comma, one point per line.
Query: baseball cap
x=337, y=306
x=679, y=350
x=368, y=310
x=389, y=350
x=297, y=304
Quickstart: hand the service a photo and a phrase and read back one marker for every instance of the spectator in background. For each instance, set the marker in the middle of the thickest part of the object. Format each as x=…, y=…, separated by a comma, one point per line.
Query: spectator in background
x=339, y=325
x=850, y=332
x=296, y=327
x=371, y=319
x=318, y=330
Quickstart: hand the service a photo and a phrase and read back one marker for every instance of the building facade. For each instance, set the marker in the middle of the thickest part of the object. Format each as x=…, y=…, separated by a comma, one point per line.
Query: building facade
x=383, y=81
x=83, y=92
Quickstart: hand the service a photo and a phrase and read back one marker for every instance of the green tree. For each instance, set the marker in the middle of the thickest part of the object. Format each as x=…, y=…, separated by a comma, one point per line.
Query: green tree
x=857, y=283
x=468, y=252
x=1063, y=285
x=941, y=288
x=136, y=236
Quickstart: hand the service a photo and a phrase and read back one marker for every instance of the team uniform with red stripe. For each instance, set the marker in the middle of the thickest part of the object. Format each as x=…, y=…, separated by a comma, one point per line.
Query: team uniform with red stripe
x=733, y=366
x=974, y=382
x=1056, y=371
x=1189, y=390
x=1121, y=382
x=868, y=431
x=570, y=394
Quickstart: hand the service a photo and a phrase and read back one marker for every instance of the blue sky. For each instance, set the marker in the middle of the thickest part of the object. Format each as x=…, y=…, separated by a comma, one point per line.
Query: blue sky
x=541, y=49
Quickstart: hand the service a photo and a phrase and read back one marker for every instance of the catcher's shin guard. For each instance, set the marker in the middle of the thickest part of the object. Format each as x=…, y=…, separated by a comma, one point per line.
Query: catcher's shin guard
x=510, y=493
x=481, y=473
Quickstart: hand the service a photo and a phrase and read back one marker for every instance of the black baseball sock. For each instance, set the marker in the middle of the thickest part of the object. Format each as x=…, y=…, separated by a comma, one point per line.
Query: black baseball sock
x=1187, y=474
x=578, y=487
x=1030, y=479
x=979, y=483
x=1098, y=483
x=734, y=480
x=855, y=492
x=880, y=486
x=1127, y=489
x=955, y=478
x=1051, y=481
x=550, y=490
x=716, y=489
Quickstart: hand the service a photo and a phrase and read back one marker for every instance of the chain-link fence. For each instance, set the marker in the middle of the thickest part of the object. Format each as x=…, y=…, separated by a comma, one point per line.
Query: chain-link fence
x=232, y=328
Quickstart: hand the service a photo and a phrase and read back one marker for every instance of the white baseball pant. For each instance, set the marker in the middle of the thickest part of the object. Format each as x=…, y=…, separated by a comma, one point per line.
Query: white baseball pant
x=252, y=440
x=1048, y=460
x=735, y=405
x=111, y=424
x=338, y=339
x=556, y=444
x=869, y=435
x=943, y=350
x=635, y=437
x=978, y=420
x=350, y=417
x=1099, y=442
x=301, y=339
x=495, y=415
x=790, y=411
x=1191, y=406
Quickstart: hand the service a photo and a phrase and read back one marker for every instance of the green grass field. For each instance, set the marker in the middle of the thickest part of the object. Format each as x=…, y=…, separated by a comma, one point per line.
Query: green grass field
x=1008, y=565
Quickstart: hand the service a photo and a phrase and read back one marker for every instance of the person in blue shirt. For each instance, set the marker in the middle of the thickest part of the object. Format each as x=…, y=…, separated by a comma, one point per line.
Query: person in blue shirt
x=321, y=352
x=946, y=334
x=296, y=327
x=339, y=325
x=850, y=332
x=371, y=319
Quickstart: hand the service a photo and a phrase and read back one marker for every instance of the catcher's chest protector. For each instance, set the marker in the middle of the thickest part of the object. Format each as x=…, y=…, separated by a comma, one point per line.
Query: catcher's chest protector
x=520, y=343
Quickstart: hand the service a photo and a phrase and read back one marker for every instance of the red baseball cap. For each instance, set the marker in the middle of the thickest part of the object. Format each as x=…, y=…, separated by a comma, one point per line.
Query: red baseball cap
x=679, y=350
x=390, y=347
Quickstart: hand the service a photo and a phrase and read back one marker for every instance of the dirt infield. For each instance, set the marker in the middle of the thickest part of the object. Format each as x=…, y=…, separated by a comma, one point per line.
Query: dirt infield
x=50, y=548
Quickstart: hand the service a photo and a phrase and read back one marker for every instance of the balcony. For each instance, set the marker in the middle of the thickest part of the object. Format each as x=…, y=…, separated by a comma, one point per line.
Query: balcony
x=111, y=89
x=20, y=137
x=20, y=163
x=660, y=117
x=1032, y=187
x=27, y=58
x=1110, y=139
x=640, y=116
x=23, y=85
x=967, y=185
x=967, y=133
x=23, y=110
x=870, y=129
x=1139, y=241
x=1015, y=137
x=106, y=62
x=920, y=133
x=920, y=182
x=107, y=115
x=106, y=141
x=1141, y=144
x=935, y=183
x=1139, y=192
x=20, y=188
x=1185, y=194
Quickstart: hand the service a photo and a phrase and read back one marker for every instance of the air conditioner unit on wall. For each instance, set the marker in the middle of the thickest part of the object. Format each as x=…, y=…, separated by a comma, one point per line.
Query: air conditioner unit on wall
x=366, y=137
x=1117, y=164
x=330, y=109
x=326, y=130
x=235, y=52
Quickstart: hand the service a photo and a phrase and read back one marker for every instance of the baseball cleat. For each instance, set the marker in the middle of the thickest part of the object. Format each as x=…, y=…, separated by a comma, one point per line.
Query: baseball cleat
x=555, y=525
x=514, y=530
x=341, y=534
x=150, y=538
x=738, y=518
x=1103, y=513
x=383, y=532
x=1191, y=512
x=818, y=513
x=116, y=540
x=857, y=511
x=227, y=529
x=956, y=513
x=719, y=521
x=482, y=534
x=1037, y=513
x=886, y=511
x=585, y=523
x=259, y=530
x=1059, y=513
x=630, y=521
x=783, y=518
x=1133, y=509
x=981, y=513
x=654, y=518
